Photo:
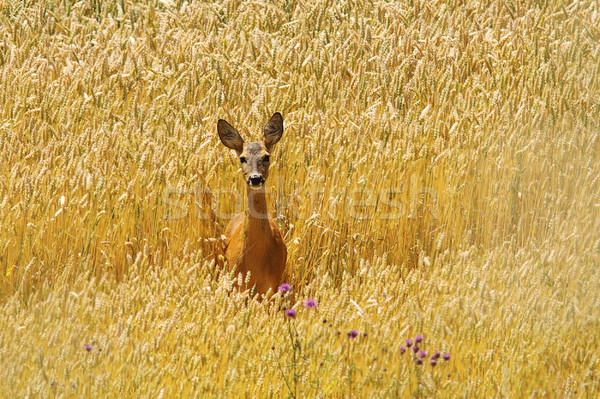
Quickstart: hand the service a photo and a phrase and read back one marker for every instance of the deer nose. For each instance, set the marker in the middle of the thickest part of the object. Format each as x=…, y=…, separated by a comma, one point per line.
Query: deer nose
x=256, y=180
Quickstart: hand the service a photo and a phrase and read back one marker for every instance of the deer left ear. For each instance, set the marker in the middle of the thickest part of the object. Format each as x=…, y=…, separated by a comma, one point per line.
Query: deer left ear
x=273, y=130
x=230, y=137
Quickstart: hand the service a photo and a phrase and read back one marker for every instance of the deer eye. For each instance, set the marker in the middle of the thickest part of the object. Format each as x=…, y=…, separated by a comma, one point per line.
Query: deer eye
x=243, y=159
x=266, y=158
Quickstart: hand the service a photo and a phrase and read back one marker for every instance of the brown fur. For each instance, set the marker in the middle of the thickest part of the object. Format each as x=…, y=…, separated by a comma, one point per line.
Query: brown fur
x=253, y=242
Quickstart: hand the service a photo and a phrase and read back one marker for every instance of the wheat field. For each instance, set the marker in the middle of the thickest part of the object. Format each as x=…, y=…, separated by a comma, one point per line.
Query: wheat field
x=438, y=175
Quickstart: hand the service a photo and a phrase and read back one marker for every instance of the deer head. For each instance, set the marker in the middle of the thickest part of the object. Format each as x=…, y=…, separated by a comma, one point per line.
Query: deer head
x=254, y=157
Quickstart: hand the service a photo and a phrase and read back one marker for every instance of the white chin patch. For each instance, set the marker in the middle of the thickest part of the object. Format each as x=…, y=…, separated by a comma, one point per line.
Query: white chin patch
x=256, y=187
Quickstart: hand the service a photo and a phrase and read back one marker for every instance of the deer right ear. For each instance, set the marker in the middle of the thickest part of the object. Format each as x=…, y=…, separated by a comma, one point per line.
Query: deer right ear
x=273, y=130
x=230, y=137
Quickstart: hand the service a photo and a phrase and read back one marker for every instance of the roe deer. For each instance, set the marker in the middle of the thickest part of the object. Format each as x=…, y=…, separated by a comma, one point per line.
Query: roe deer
x=253, y=242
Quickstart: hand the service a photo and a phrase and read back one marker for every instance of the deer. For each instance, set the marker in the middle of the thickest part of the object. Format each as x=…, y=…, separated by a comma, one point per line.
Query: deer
x=252, y=241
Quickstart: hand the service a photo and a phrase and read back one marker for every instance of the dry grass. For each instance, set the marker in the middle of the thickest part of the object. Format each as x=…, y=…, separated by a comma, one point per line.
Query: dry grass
x=473, y=126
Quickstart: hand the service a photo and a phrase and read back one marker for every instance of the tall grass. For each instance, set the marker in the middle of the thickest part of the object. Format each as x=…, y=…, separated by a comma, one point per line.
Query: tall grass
x=438, y=174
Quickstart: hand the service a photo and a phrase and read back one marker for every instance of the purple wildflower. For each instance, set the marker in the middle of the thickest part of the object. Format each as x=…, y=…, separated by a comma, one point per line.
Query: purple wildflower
x=415, y=349
x=433, y=362
x=419, y=361
x=402, y=349
x=285, y=287
x=409, y=342
x=310, y=303
x=446, y=356
x=88, y=347
x=436, y=355
x=419, y=338
x=291, y=313
x=352, y=334
x=422, y=354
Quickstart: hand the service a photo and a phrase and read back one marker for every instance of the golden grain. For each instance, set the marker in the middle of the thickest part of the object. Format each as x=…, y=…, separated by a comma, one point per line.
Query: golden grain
x=438, y=174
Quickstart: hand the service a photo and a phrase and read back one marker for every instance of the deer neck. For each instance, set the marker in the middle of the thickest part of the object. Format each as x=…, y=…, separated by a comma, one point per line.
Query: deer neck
x=256, y=222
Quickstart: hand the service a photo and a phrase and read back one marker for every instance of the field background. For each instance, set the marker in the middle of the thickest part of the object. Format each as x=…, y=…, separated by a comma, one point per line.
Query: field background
x=438, y=175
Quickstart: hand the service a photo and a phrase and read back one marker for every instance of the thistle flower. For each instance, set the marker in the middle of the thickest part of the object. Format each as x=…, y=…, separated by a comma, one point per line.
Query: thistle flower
x=422, y=354
x=291, y=313
x=436, y=355
x=419, y=361
x=409, y=342
x=446, y=356
x=419, y=339
x=415, y=349
x=310, y=303
x=352, y=334
x=433, y=362
x=88, y=347
x=402, y=349
x=285, y=287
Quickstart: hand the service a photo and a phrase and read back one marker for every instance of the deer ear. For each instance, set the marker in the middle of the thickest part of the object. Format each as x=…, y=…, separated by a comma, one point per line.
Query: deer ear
x=273, y=130
x=230, y=137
